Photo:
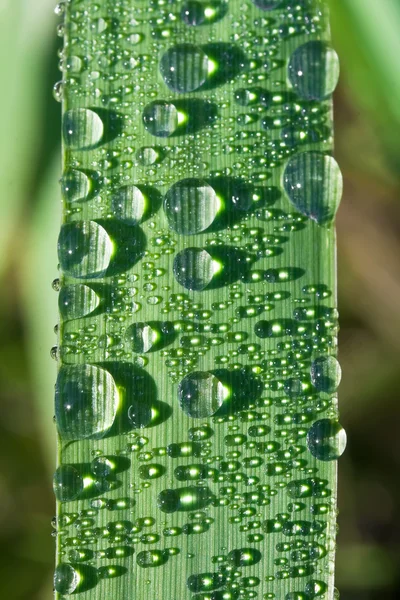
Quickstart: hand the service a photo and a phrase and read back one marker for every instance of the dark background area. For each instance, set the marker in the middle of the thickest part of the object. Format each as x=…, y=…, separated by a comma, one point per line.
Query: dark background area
x=367, y=119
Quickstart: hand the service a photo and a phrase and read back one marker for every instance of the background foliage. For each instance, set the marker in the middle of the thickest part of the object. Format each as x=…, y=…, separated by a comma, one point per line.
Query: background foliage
x=367, y=112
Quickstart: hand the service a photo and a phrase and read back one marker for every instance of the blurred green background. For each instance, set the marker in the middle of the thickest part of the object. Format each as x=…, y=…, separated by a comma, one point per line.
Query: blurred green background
x=367, y=110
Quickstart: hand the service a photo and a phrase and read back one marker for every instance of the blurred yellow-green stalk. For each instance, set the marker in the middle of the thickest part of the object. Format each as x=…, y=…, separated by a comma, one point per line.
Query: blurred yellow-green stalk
x=367, y=111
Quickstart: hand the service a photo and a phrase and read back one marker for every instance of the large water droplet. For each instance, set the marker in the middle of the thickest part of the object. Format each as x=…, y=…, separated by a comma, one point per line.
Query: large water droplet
x=201, y=394
x=191, y=205
x=75, y=301
x=67, y=483
x=66, y=579
x=129, y=204
x=75, y=186
x=161, y=118
x=267, y=4
x=184, y=67
x=193, y=13
x=314, y=70
x=84, y=249
x=142, y=337
x=194, y=268
x=326, y=439
x=314, y=184
x=86, y=401
x=82, y=128
x=325, y=373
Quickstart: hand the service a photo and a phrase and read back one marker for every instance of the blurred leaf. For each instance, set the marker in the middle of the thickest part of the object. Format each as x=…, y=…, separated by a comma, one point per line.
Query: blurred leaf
x=25, y=40
x=366, y=35
x=41, y=303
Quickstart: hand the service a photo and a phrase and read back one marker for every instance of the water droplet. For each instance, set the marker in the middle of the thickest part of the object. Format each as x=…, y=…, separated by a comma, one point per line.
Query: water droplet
x=129, y=204
x=193, y=13
x=58, y=91
x=245, y=557
x=184, y=68
x=191, y=205
x=326, y=439
x=76, y=301
x=86, y=401
x=267, y=4
x=102, y=466
x=194, y=268
x=139, y=414
x=152, y=471
x=161, y=118
x=314, y=184
x=151, y=558
x=201, y=394
x=141, y=337
x=184, y=499
x=314, y=70
x=66, y=579
x=67, y=483
x=84, y=249
x=205, y=582
x=325, y=374
x=75, y=186
x=82, y=128
x=147, y=155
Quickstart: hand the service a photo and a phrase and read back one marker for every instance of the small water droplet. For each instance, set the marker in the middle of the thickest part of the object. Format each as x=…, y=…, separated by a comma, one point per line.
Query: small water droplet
x=161, y=118
x=184, y=68
x=84, y=249
x=58, y=91
x=194, y=268
x=129, y=204
x=82, y=128
x=325, y=374
x=86, y=401
x=314, y=184
x=66, y=579
x=67, y=483
x=76, y=301
x=314, y=70
x=191, y=205
x=326, y=439
x=75, y=186
x=201, y=394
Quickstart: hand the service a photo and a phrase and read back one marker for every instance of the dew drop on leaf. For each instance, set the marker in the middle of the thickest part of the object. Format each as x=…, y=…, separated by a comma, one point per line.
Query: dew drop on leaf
x=314, y=70
x=67, y=483
x=82, y=128
x=201, y=394
x=326, y=439
x=184, y=68
x=84, y=249
x=191, y=205
x=325, y=373
x=86, y=402
x=66, y=579
x=314, y=185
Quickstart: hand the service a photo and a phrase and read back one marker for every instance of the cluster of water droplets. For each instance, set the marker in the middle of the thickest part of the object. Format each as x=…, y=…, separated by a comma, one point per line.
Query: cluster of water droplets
x=198, y=326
